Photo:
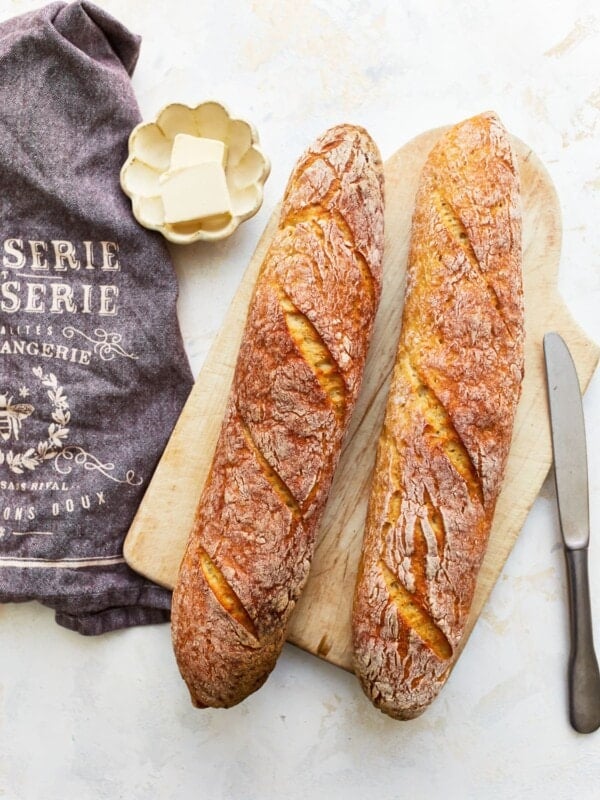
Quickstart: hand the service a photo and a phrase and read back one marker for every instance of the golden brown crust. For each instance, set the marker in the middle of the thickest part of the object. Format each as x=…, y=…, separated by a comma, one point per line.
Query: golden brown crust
x=449, y=418
x=296, y=380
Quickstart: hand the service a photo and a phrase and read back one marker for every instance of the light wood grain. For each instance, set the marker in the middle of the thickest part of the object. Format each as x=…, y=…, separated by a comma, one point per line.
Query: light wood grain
x=321, y=621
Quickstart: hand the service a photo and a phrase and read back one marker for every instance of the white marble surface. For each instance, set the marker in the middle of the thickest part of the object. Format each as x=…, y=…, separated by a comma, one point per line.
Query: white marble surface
x=109, y=717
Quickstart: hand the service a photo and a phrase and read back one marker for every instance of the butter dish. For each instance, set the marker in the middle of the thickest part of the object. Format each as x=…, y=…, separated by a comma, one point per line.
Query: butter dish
x=148, y=170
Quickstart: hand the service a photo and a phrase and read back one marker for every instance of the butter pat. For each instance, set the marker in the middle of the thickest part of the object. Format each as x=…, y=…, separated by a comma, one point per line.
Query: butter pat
x=188, y=151
x=195, y=193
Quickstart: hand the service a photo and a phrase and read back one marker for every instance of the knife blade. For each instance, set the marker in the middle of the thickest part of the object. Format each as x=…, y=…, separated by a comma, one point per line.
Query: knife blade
x=567, y=427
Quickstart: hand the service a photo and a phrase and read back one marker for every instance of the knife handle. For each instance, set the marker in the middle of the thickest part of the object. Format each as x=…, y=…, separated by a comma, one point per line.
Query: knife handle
x=584, y=676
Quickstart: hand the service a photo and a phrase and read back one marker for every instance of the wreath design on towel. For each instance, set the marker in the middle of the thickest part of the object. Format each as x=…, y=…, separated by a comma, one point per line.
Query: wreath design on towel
x=54, y=447
x=58, y=430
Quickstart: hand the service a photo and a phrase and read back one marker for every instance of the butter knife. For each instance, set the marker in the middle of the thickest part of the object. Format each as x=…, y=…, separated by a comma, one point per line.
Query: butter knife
x=571, y=476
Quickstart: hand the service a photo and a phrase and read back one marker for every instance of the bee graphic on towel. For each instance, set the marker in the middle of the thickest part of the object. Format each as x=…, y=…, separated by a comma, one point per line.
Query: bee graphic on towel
x=12, y=416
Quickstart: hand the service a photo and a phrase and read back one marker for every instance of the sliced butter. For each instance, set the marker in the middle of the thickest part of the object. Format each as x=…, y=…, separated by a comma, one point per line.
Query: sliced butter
x=191, y=150
x=195, y=193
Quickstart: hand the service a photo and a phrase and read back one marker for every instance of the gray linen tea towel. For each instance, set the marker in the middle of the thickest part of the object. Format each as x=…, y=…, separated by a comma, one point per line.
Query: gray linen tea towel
x=93, y=374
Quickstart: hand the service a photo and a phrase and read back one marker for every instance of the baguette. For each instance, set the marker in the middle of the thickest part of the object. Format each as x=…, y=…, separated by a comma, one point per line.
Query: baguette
x=448, y=422
x=296, y=381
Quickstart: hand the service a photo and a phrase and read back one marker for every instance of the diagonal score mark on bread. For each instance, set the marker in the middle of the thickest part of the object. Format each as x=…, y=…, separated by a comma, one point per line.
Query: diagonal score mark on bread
x=439, y=430
x=310, y=216
x=218, y=584
x=457, y=231
x=412, y=612
x=361, y=261
x=315, y=353
x=415, y=616
x=436, y=522
x=223, y=592
x=326, y=211
x=278, y=485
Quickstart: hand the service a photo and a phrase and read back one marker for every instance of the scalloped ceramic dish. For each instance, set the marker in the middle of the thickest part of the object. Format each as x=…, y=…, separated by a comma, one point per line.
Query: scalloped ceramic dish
x=150, y=145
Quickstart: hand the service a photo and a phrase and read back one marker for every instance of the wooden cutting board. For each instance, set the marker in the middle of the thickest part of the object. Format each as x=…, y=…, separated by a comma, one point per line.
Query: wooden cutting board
x=321, y=621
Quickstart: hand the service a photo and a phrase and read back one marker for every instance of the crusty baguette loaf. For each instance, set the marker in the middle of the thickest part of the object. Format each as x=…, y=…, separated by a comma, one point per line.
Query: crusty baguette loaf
x=448, y=422
x=296, y=381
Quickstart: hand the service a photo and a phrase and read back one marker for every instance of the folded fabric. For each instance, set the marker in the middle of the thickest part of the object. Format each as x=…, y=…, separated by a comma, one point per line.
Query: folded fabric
x=93, y=374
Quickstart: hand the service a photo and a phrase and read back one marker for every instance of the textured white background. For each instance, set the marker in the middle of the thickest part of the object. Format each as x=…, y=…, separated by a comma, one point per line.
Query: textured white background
x=109, y=717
